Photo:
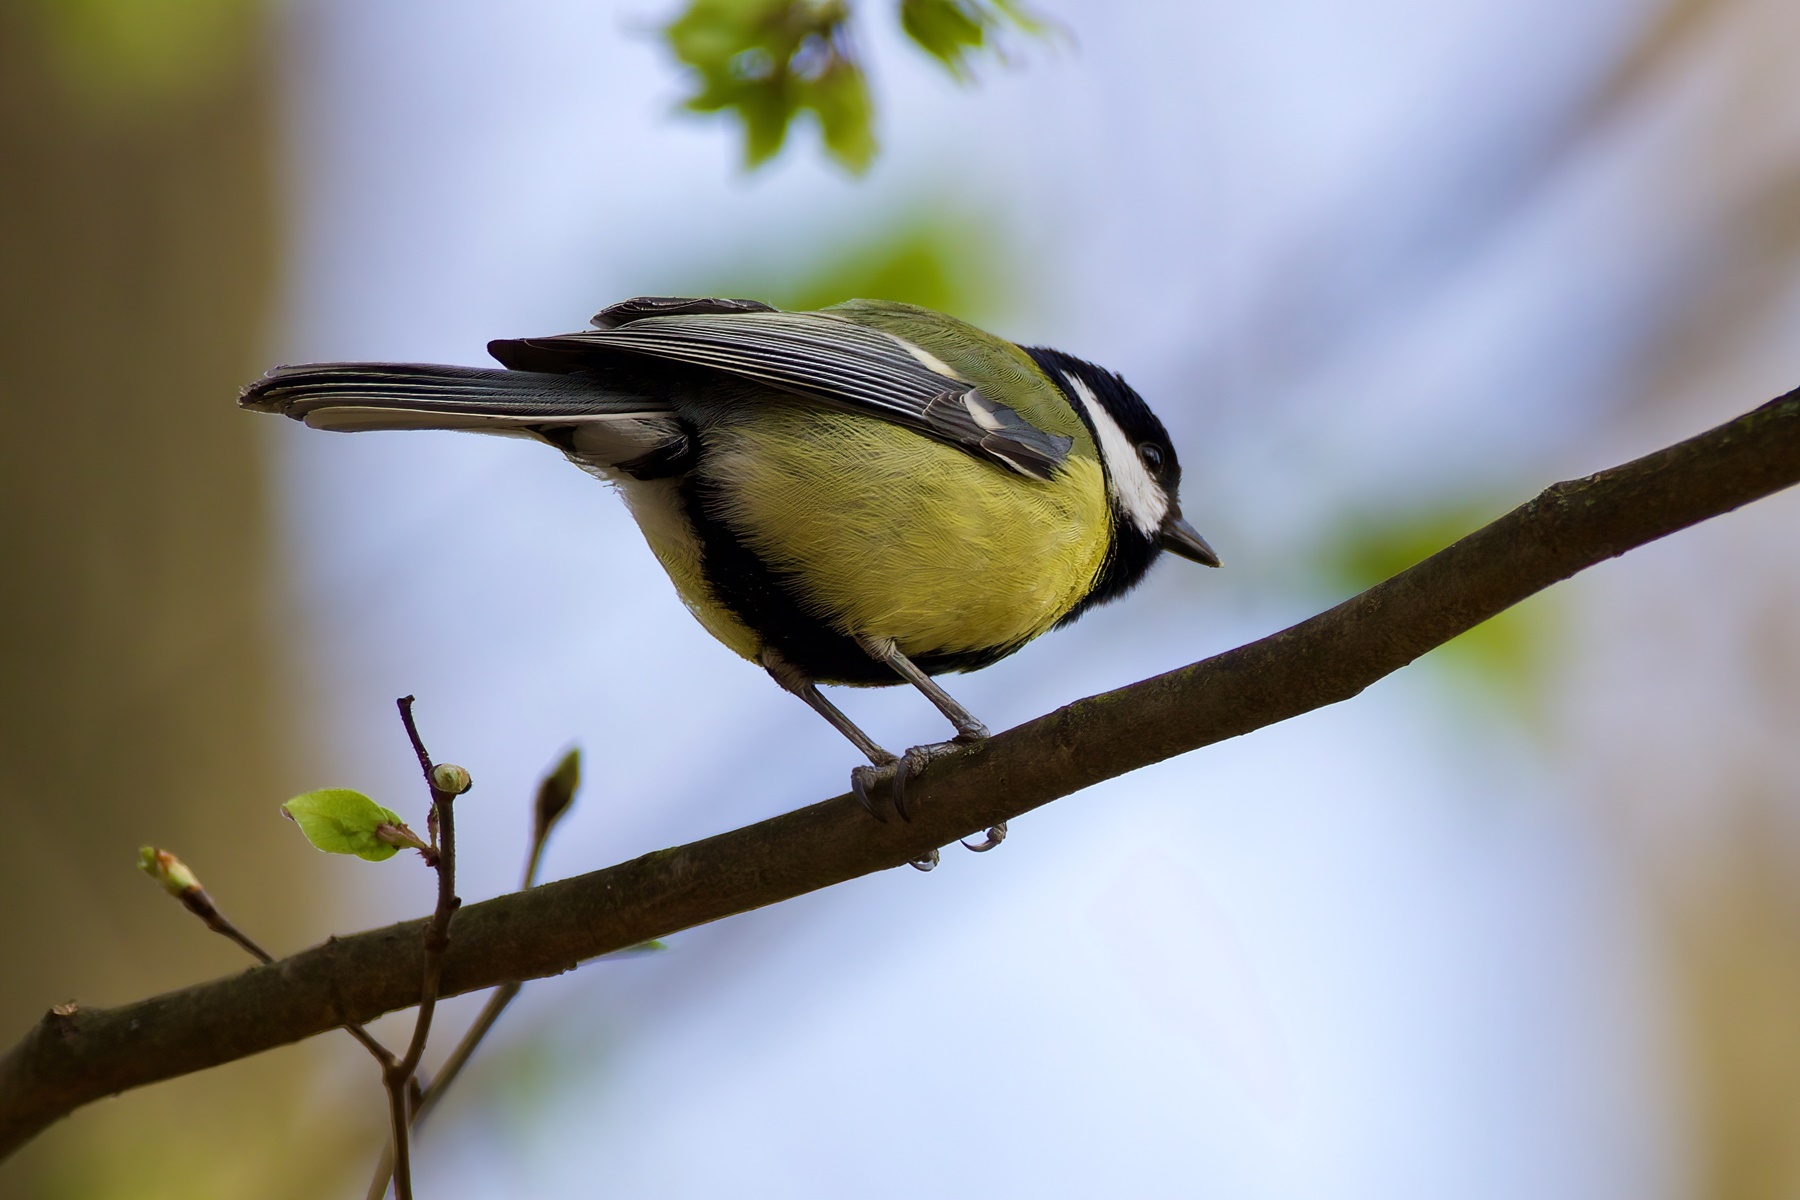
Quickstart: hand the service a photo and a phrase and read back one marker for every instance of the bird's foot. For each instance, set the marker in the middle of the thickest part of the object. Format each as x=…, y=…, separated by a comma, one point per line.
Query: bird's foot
x=995, y=835
x=896, y=772
x=912, y=764
x=865, y=780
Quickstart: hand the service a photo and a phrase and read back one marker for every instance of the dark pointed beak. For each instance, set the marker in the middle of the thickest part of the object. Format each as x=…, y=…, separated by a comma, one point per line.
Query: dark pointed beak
x=1178, y=537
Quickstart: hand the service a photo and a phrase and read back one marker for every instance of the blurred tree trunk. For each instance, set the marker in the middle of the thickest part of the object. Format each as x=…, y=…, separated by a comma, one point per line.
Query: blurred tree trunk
x=137, y=692
x=1726, y=671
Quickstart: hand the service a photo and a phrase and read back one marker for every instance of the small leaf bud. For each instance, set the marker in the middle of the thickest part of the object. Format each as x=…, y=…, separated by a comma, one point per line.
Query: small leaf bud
x=557, y=791
x=401, y=836
x=167, y=870
x=450, y=779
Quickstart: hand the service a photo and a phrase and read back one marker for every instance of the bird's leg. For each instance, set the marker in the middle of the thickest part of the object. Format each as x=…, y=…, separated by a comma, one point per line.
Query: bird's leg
x=844, y=725
x=792, y=679
x=968, y=729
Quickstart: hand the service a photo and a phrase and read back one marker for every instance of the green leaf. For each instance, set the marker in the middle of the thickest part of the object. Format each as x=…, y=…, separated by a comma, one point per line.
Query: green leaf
x=948, y=261
x=840, y=99
x=952, y=31
x=342, y=821
x=946, y=29
x=768, y=62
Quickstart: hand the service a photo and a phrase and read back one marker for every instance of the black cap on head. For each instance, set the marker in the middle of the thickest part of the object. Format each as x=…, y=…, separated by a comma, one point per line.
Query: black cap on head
x=1143, y=474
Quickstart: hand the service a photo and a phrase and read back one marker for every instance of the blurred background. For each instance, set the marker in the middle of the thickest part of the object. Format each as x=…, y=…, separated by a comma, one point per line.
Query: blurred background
x=1523, y=920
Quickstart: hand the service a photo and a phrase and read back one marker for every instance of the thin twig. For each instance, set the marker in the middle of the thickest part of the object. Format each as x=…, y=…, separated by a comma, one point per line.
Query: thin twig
x=398, y=1076
x=177, y=878
x=397, y=1122
x=218, y=922
x=405, y=705
x=76, y=1055
x=556, y=791
x=428, y=1099
x=437, y=929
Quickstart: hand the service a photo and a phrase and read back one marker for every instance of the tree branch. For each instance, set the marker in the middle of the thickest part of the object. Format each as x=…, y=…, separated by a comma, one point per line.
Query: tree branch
x=77, y=1055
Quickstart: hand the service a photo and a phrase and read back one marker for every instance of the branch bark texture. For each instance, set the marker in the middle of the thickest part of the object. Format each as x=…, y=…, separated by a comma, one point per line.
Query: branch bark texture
x=76, y=1055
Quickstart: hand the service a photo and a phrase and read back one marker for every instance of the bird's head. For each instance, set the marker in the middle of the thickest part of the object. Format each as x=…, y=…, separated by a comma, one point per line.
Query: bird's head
x=1143, y=473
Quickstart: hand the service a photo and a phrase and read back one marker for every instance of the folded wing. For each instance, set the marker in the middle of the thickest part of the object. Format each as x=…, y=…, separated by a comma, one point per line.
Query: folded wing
x=819, y=356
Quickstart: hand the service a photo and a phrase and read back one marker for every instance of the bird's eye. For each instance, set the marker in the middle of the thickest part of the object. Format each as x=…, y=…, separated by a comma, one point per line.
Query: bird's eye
x=1152, y=455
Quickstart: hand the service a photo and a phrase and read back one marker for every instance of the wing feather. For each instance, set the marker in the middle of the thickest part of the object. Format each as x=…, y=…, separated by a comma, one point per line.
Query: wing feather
x=823, y=357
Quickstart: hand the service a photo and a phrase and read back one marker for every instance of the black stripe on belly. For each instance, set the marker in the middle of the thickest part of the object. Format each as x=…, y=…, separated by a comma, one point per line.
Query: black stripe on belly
x=766, y=600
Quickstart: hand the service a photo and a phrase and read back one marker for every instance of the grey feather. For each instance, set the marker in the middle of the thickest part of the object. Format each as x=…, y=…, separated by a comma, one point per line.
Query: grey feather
x=639, y=307
x=594, y=425
x=618, y=383
x=971, y=418
x=822, y=357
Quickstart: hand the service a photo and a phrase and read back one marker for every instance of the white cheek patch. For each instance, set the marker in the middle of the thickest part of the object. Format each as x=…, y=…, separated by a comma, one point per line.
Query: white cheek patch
x=1136, y=494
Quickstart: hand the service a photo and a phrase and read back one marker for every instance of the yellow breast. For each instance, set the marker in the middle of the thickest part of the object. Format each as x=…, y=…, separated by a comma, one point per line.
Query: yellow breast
x=889, y=534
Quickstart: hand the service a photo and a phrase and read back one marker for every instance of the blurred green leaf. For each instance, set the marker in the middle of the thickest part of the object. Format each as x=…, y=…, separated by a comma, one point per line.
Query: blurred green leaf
x=1506, y=654
x=653, y=946
x=342, y=821
x=951, y=30
x=954, y=265
x=946, y=29
x=768, y=61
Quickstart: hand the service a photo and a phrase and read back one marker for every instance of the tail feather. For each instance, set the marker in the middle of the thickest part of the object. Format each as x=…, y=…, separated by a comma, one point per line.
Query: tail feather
x=364, y=396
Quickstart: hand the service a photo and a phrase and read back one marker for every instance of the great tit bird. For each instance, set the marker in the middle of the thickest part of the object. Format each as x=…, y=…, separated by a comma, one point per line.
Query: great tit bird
x=867, y=494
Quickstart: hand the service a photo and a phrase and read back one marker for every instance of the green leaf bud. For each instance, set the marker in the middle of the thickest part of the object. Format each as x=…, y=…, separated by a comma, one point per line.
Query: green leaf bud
x=167, y=870
x=556, y=792
x=400, y=837
x=451, y=779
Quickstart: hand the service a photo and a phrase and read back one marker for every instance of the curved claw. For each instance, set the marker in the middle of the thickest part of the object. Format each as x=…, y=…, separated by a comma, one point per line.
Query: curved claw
x=925, y=862
x=902, y=772
x=861, y=779
x=995, y=836
x=913, y=762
